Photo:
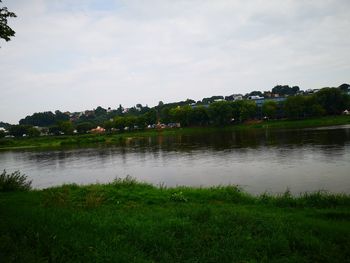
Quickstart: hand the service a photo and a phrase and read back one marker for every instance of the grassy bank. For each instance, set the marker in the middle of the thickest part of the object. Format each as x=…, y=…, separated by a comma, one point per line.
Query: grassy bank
x=113, y=139
x=126, y=221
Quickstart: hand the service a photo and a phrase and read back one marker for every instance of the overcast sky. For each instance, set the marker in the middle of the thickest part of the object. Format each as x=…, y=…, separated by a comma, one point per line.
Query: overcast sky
x=77, y=55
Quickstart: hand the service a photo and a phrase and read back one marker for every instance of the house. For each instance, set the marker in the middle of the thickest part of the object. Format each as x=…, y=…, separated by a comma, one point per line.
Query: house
x=255, y=98
x=234, y=97
x=174, y=125
x=98, y=130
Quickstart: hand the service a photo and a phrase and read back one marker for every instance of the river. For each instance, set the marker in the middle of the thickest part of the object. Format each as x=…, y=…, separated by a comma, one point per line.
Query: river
x=257, y=160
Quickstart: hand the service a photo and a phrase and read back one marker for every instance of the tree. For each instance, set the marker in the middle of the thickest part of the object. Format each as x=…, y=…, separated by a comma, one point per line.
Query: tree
x=344, y=87
x=66, y=127
x=165, y=115
x=247, y=110
x=41, y=119
x=84, y=127
x=130, y=122
x=60, y=116
x=19, y=130
x=198, y=116
x=294, y=107
x=269, y=109
x=312, y=107
x=5, y=125
x=108, y=125
x=100, y=111
x=54, y=129
x=6, y=32
x=181, y=114
x=120, y=110
x=220, y=113
x=33, y=132
x=119, y=123
x=285, y=90
x=150, y=116
x=332, y=100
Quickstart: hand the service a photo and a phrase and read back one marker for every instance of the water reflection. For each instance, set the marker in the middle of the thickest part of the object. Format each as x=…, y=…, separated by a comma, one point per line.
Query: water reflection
x=259, y=160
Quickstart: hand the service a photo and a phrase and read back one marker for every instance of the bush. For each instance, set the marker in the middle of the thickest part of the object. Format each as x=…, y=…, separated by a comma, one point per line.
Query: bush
x=14, y=182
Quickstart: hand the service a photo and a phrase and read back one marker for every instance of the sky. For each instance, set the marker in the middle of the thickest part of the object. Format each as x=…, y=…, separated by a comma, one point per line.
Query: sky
x=77, y=55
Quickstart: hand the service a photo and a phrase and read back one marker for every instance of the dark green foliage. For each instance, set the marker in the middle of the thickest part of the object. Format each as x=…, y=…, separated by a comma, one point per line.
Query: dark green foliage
x=66, y=127
x=119, y=123
x=344, y=87
x=33, y=132
x=167, y=114
x=39, y=119
x=54, y=130
x=100, y=111
x=220, y=113
x=6, y=32
x=332, y=100
x=14, y=182
x=150, y=116
x=60, y=116
x=269, y=109
x=126, y=221
x=5, y=125
x=247, y=110
x=198, y=116
x=285, y=90
x=294, y=107
x=181, y=115
x=84, y=127
x=19, y=130
x=327, y=101
x=44, y=119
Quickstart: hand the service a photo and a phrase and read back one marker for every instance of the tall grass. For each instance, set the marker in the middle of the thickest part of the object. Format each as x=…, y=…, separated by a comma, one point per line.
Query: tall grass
x=129, y=221
x=14, y=182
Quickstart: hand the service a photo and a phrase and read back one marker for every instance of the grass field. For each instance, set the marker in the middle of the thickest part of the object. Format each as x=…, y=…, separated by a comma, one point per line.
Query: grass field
x=115, y=139
x=126, y=221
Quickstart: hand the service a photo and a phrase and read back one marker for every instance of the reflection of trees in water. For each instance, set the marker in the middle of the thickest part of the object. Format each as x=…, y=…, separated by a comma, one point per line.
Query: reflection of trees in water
x=325, y=141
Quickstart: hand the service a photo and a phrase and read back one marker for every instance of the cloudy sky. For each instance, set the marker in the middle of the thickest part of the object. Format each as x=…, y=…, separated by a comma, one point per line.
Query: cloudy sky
x=77, y=55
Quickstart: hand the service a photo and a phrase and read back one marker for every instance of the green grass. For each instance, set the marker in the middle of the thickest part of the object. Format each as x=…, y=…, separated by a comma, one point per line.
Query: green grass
x=120, y=138
x=126, y=221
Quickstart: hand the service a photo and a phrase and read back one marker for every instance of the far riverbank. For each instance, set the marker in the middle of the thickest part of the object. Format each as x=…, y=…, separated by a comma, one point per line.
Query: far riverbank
x=117, y=138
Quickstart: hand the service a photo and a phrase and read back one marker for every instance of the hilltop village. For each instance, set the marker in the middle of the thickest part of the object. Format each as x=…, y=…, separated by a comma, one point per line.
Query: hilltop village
x=282, y=102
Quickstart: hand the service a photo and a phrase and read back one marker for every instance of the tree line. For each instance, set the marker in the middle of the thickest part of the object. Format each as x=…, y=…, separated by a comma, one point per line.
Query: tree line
x=327, y=101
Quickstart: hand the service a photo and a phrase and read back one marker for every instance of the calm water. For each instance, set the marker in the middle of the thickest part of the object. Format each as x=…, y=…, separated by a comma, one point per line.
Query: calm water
x=264, y=160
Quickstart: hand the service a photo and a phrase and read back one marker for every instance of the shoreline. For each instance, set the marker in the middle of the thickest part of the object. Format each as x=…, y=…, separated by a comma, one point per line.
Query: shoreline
x=55, y=142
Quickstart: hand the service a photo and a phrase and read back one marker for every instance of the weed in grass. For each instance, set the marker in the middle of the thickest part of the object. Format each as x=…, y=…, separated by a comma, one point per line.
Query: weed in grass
x=127, y=181
x=54, y=197
x=93, y=200
x=178, y=197
x=14, y=182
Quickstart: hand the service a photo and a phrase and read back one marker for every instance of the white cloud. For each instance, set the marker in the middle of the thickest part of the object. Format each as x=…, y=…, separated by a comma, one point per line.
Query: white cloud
x=75, y=56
